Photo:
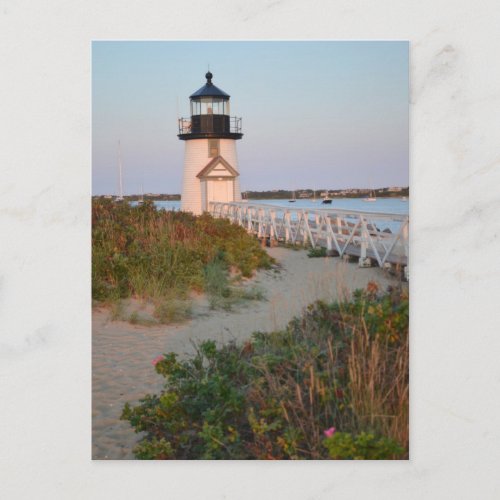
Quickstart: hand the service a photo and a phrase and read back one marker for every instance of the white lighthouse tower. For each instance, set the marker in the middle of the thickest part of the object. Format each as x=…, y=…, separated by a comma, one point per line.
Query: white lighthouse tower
x=210, y=161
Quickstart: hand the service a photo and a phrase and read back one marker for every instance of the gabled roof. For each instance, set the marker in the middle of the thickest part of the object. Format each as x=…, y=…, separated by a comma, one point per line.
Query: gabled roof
x=213, y=163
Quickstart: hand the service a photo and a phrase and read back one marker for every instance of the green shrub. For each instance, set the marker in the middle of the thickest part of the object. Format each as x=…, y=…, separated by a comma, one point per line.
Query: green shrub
x=317, y=252
x=342, y=364
x=364, y=446
x=156, y=449
x=199, y=413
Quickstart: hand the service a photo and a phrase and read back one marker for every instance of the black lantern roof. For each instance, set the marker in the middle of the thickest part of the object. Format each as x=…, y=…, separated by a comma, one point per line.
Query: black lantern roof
x=209, y=89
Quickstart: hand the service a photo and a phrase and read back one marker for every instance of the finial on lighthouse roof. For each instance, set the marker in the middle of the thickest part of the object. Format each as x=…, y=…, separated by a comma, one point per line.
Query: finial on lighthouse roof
x=209, y=89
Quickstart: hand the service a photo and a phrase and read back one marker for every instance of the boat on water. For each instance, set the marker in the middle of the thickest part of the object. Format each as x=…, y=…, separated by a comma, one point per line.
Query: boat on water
x=314, y=200
x=140, y=201
x=372, y=197
x=293, y=200
x=404, y=198
x=326, y=200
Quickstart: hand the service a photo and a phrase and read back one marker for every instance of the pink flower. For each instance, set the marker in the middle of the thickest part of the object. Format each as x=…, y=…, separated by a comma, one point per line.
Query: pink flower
x=329, y=432
x=157, y=360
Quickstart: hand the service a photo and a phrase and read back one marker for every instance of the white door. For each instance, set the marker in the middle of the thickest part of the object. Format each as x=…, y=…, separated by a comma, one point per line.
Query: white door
x=220, y=190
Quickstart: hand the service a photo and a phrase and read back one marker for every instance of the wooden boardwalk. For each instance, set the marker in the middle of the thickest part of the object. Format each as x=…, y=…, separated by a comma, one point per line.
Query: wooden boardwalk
x=375, y=238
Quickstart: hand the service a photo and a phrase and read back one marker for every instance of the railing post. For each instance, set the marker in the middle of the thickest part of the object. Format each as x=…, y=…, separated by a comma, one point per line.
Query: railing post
x=363, y=240
x=287, y=226
x=339, y=224
x=328, y=224
x=249, y=220
x=363, y=260
x=272, y=218
x=307, y=233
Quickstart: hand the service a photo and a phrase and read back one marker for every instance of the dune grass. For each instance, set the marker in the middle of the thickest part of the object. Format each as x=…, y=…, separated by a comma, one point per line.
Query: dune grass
x=153, y=254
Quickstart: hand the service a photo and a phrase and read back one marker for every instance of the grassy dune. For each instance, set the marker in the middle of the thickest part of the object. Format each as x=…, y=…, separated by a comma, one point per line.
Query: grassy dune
x=145, y=253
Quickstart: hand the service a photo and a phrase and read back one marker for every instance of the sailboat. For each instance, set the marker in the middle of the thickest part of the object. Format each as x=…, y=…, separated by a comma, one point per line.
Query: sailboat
x=141, y=199
x=326, y=200
x=314, y=200
x=372, y=196
x=120, y=196
x=293, y=200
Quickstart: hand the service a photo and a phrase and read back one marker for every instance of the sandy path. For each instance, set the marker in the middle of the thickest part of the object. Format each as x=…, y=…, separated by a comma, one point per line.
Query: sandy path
x=122, y=352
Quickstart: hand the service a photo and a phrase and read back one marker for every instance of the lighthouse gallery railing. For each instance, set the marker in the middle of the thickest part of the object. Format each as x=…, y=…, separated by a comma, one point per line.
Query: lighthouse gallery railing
x=233, y=124
x=382, y=237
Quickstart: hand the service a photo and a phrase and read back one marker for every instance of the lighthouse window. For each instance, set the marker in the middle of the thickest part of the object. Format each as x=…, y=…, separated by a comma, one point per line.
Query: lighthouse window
x=213, y=148
x=206, y=103
x=195, y=108
x=218, y=106
x=209, y=106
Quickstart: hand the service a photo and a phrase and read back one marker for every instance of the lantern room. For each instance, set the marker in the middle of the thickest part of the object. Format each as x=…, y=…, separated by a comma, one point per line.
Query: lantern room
x=210, y=115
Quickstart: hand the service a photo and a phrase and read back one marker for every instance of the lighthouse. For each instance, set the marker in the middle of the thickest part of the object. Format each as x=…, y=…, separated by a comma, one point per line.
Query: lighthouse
x=211, y=171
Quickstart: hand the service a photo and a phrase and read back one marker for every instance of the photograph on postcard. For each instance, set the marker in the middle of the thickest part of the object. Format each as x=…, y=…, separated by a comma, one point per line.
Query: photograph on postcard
x=250, y=250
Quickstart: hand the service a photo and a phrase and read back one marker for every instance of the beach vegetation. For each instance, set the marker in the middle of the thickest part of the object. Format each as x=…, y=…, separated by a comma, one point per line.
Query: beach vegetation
x=172, y=310
x=333, y=384
x=364, y=446
x=317, y=252
x=163, y=256
x=221, y=292
x=137, y=318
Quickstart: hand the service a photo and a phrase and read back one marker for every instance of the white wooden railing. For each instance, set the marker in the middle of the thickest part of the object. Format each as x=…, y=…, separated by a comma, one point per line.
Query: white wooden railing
x=373, y=237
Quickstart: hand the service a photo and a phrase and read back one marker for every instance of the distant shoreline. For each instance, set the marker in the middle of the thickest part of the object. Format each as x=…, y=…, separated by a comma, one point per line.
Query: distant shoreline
x=396, y=192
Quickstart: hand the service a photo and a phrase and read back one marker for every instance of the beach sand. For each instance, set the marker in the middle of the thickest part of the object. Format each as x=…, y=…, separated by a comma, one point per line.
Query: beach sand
x=122, y=352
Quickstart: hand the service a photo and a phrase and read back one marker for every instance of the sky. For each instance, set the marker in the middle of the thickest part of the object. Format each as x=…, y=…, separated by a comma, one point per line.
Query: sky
x=315, y=114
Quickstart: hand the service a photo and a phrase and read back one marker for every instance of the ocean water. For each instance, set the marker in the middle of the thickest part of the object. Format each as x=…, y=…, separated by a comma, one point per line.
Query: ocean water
x=382, y=205
x=386, y=205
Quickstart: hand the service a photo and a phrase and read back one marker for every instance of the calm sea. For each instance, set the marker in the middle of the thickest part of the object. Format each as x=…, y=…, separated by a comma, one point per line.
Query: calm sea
x=387, y=205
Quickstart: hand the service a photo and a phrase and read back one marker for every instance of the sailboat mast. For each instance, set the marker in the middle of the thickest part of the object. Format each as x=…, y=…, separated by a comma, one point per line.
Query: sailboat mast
x=120, y=170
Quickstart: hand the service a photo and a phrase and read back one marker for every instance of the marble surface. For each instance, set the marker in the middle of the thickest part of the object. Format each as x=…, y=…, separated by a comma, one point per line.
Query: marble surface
x=45, y=163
